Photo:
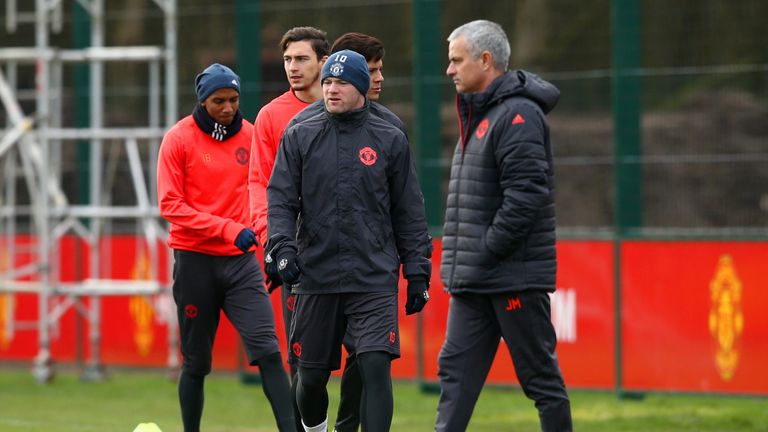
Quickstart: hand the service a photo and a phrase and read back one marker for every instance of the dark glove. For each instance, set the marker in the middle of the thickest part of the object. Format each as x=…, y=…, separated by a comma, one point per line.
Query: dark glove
x=288, y=266
x=273, y=277
x=417, y=296
x=245, y=239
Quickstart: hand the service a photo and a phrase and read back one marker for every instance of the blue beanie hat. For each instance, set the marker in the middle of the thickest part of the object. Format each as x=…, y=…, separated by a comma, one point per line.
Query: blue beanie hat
x=215, y=77
x=349, y=66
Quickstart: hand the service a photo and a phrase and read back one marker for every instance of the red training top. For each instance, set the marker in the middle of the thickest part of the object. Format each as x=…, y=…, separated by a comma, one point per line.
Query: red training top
x=268, y=129
x=201, y=187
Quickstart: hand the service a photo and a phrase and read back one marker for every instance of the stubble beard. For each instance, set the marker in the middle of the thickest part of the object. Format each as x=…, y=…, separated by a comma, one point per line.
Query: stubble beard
x=306, y=86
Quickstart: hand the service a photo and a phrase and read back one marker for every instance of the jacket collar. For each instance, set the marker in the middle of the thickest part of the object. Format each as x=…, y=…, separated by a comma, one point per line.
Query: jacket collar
x=473, y=107
x=350, y=119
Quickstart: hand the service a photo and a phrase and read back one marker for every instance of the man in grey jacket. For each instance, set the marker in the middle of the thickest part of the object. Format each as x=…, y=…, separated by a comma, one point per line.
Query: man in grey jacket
x=499, y=262
x=346, y=178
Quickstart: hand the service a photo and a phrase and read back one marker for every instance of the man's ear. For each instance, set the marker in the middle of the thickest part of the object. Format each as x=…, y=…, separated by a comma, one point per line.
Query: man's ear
x=322, y=60
x=487, y=59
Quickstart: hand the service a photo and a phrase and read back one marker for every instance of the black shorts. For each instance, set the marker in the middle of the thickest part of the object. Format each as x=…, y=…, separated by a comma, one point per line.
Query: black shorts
x=203, y=286
x=320, y=322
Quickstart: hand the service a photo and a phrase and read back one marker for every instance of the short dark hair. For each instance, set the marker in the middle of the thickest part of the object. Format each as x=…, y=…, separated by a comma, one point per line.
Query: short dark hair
x=368, y=46
x=316, y=37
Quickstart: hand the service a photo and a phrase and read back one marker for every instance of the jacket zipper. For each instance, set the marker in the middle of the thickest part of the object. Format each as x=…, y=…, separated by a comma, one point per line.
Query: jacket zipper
x=458, y=186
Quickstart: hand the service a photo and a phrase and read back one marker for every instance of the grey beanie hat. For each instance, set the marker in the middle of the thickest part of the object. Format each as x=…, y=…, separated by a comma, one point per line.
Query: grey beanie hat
x=215, y=77
x=349, y=66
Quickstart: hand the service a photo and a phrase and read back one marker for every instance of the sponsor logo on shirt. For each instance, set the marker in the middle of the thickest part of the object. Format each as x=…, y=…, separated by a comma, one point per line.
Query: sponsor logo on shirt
x=392, y=336
x=368, y=156
x=290, y=302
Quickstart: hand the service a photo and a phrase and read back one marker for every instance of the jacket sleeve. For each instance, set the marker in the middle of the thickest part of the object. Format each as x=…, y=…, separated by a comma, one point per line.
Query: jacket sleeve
x=524, y=168
x=284, y=192
x=173, y=202
x=408, y=215
x=262, y=160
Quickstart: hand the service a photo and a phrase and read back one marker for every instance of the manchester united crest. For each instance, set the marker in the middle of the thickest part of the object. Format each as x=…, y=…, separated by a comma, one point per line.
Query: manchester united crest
x=368, y=156
x=337, y=69
x=7, y=306
x=726, y=319
x=242, y=156
x=482, y=128
x=141, y=309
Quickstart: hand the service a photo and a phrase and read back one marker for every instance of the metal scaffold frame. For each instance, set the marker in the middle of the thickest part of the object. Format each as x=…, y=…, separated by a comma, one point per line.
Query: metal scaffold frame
x=31, y=155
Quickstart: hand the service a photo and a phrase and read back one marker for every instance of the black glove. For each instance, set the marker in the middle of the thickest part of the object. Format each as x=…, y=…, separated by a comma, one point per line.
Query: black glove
x=288, y=266
x=417, y=296
x=245, y=239
x=273, y=277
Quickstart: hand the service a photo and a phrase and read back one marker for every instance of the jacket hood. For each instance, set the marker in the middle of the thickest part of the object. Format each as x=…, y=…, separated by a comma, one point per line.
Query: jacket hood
x=515, y=83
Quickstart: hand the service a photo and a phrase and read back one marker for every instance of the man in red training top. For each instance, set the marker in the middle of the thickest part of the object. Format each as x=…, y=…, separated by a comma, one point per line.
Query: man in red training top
x=304, y=51
x=202, y=177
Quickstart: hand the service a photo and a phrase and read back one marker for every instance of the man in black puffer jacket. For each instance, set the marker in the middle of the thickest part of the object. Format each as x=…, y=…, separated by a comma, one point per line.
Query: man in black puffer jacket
x=498, y=261
x=348, y=177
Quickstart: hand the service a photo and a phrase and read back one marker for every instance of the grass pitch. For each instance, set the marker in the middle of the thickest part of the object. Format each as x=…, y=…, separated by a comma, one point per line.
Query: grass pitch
x=128, y=397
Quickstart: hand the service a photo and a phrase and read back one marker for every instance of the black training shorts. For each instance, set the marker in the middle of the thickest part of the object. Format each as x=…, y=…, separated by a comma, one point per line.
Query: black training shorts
x=320, y=322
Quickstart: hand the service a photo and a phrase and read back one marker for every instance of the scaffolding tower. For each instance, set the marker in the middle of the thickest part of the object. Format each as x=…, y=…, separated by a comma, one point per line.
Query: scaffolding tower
x=31, y=146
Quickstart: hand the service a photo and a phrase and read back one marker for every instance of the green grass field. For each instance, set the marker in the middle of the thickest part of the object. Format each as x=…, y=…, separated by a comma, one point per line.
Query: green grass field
x=129, y=397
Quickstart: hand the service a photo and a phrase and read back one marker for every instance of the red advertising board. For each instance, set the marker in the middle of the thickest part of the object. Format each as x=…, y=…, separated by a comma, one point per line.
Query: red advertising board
x=694, y=316
x=133, y=328
x=582, y=312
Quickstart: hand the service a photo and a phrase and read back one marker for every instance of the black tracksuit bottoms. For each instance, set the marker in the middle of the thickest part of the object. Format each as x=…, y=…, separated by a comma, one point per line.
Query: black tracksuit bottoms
x=203, y=286
x=476, y=323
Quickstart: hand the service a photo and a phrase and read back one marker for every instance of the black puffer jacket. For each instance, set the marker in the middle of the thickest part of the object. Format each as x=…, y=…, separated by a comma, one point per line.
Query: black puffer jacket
x=350, y=181
x=499, y=233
